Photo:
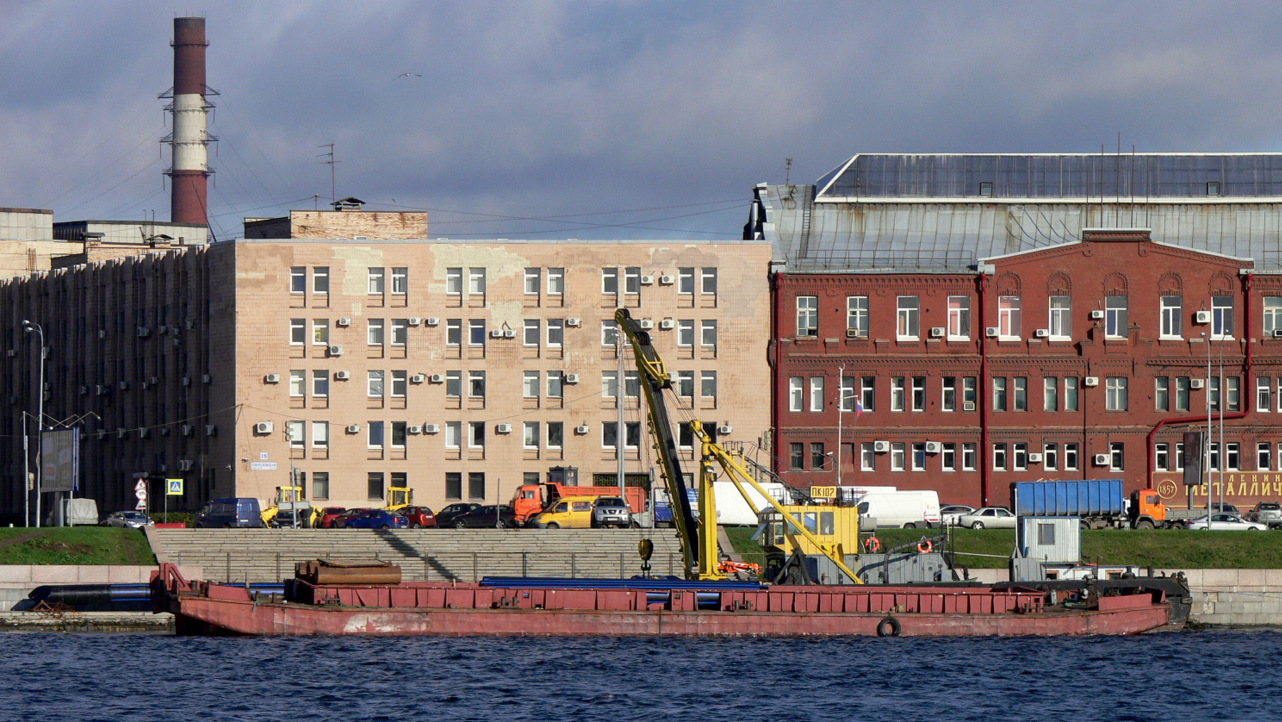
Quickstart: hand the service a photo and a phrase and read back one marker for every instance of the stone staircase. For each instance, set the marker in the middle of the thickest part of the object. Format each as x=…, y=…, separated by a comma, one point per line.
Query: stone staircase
x=268, y=555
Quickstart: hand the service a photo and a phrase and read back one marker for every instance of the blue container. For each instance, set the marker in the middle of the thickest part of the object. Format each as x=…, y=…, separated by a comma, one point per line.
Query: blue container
x=1080, y=498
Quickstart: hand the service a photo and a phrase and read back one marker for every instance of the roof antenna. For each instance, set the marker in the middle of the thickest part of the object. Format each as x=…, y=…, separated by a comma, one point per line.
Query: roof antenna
x=787, y=171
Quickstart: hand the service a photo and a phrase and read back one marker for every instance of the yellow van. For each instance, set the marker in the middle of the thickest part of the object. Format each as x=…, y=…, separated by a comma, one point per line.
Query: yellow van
x=569, y=513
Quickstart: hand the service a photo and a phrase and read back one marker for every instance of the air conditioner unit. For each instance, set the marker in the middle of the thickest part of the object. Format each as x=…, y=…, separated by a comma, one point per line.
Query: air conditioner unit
x=142, y=433
x=1097, y=314
x=263, y=427
x=725, y=429
x=206, y=378
x=271, y=379
x=1101, y=459
x=341, y=375
x=968, y=406
x=667, y=324
x=103, y=389
x=155, y=380
x=164, y=431
x=121, y=432
x=509, y=333
x=433, y=321
x=1034, y=458
x=436, y=378
x=184, y=464
x=84, y=390
x=413, y=320
x=186, y=381
x=143, y=332
x=211, y=429
x=417, y=379
x=1091, y=381
x=102, y=333
x=344, y=321
x=937, y=332
x=191, y=323
x=162, y=330
x=571, y=378
x=431, y=428
x=647, y=280
x=881, y=447
x=666, y=280
x=414, y=429
x=991, y=332
x=573, y=322
x=1202, y=317
x=503, y=428
x=124, y=385
x=353, y=428
x=1042, y=333
x=933, y=447
x=647, y=324
x=496, y=333
x=1277, y=333
x=581, y=429
x=185, y=429
x=335, y=350
x=1197, y=383
x=102, y=434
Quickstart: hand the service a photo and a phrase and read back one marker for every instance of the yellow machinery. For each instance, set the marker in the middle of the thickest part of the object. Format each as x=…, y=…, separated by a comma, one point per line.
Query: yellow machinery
x=289, y=500
x=399, y=497
x=699, y=537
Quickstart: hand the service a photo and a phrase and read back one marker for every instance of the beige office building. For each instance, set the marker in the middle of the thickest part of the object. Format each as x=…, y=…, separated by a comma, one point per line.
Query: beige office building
x=459, y=369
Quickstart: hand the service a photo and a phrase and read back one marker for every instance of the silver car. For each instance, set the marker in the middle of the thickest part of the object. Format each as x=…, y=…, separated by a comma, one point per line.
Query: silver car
x=1226, y=522
x=991, y=517
x=610, y=511
x=128, y=519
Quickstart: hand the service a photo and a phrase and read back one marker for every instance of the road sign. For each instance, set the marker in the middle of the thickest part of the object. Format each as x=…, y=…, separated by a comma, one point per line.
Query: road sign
x=141, y=485
x=142, y=505
x=141, y=494
x=174, y=487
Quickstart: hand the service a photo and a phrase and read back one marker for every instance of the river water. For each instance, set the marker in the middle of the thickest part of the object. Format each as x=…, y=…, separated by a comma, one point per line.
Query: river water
x=1223, y=674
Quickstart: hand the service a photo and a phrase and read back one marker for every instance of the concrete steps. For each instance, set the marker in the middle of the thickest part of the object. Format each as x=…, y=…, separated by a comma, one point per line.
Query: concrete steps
x=264, y=555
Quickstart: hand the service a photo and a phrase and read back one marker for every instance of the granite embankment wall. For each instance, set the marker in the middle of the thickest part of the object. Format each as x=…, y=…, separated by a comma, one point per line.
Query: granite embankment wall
x=17, y=581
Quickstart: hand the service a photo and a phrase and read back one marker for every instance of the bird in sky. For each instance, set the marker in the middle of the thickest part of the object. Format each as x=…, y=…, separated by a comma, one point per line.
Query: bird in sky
x=407, y=75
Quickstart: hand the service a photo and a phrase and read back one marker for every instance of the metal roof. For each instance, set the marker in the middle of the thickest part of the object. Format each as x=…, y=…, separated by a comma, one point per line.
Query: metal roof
x=914, y=213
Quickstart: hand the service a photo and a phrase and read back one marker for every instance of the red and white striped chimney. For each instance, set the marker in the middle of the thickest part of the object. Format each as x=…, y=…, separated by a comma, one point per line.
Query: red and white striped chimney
x=189, y=142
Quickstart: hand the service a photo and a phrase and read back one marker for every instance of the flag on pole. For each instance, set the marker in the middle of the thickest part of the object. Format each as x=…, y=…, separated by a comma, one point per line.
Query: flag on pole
x=859, y=409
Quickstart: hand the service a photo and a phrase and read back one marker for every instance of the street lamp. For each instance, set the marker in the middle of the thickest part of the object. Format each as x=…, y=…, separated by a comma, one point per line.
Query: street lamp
x=28, y=327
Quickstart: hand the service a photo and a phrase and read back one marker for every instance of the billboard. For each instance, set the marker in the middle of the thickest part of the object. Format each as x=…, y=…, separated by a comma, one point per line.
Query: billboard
x=60, y=457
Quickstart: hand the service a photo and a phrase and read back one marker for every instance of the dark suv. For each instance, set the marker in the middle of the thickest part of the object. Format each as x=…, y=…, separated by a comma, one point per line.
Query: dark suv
x=611, y=511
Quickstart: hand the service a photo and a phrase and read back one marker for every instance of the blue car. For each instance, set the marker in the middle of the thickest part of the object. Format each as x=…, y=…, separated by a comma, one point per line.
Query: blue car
x=376, y=519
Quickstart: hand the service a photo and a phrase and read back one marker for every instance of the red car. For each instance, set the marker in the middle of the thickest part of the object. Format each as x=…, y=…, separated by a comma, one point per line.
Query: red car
x=420, y=517
x=330, y=515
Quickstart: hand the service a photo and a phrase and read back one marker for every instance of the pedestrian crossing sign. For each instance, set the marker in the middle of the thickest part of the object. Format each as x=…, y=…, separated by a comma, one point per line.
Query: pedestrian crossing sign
x=174, y=487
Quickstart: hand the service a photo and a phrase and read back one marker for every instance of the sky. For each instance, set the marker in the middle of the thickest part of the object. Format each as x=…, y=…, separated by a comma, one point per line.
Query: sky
x=600, y=120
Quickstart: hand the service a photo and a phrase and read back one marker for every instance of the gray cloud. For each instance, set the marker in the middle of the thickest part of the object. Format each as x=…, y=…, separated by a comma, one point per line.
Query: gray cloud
x=545, y=112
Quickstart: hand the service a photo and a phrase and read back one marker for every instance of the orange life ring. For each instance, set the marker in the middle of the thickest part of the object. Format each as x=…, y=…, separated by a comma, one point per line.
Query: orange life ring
x=924, y=546
x=872, y=545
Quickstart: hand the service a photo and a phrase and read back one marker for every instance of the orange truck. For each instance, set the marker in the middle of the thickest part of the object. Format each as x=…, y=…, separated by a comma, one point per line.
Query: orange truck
x=530, y=499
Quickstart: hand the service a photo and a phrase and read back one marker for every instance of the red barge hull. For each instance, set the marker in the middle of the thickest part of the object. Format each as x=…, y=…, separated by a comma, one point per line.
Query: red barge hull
x=443, y=609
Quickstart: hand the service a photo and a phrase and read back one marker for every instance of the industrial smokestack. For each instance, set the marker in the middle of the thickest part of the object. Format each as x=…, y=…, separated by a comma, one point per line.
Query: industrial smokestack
x=189, y=141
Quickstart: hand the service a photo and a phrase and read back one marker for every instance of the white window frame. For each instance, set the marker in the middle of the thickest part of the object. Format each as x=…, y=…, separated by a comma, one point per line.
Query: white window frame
x=1221, y=318
x=476, y=281
x=1115, y=397
x=533, y=281
x=609, y=384
x=958, y=318
x=400, y=280
x=454, y=281
x=1171, y=314
x=708, y=281
x=898, y=456
x=297, y=383
x=532, y=333
x=1059, y=320
x=685, y=332
x=796, y=393
x=857, y=316
x=320, y=383
x=320, y=434
x=1271, y=315
x=475, y=383
x=400, y=331
x=556, y=281
x=908, y=318
x=708, y=333
x=374, y=332
x=297, y=331
x=898, y=393
x=530, y=384
x=816, y=393
x=375, y=387
x=1116, y=316
x=556, y=332
x=400, y=383
x=320, y=280
x=948, y=457
x=807, y=316
x=376, y=281
x=1009, y=317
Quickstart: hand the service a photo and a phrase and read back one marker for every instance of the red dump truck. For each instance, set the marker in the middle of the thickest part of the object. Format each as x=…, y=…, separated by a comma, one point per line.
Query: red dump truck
x=530, y=499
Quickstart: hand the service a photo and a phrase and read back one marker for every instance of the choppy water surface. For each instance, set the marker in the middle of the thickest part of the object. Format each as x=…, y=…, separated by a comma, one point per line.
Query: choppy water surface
x=1228, y=675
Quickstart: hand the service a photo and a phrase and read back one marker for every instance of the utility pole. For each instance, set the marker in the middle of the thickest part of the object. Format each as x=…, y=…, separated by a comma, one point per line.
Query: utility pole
x=28, y=327
x=333, y=193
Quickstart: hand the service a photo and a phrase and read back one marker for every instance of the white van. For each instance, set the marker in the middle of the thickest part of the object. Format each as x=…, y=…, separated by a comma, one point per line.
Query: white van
x=907, y=509
x=733, y=509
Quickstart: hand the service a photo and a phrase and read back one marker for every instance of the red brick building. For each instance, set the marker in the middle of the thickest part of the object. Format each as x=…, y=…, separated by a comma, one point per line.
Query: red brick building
x=959, y=323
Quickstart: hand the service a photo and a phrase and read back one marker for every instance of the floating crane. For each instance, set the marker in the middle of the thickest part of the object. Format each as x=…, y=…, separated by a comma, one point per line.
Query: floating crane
x=699, y=536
